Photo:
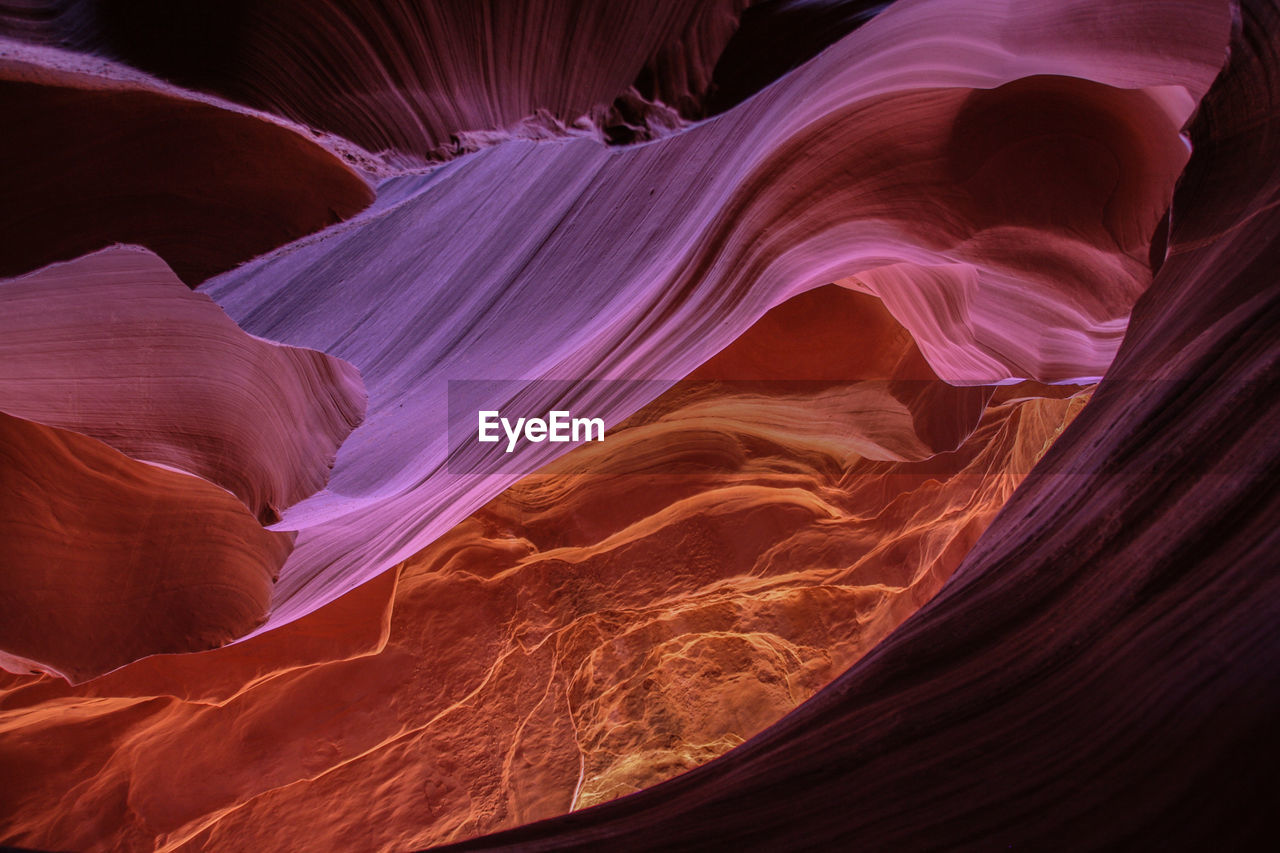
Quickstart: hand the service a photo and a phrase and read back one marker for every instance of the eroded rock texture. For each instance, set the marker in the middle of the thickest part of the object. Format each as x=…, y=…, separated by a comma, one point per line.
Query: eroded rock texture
x=95, y=155
x=107, y=559
x=422, y=78
x=633, y=610
x=569, y=260
x=1102, y=658
x=112, y=345
x=148, y=439
x=258, y=597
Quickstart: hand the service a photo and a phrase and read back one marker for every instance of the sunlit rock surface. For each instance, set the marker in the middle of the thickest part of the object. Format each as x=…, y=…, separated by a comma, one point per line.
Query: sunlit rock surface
x=834, y=307
x=1103, y=657
x=633, y=610
x=570, y=260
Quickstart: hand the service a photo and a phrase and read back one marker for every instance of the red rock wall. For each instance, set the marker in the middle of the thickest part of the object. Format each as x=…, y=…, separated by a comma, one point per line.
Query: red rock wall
x=805, y=594
x=1097, y=672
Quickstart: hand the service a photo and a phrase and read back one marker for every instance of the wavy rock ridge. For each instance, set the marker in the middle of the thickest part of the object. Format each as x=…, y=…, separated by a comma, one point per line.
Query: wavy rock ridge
x=665, y=594
x=253, y=615
x=1101, y=657
x=148, y=440
x=478, y=270
x=414, y=77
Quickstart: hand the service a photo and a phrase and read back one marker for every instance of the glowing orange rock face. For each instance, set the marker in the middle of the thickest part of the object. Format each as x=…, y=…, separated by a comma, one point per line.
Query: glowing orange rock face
x=415, y=655
x=635, y=609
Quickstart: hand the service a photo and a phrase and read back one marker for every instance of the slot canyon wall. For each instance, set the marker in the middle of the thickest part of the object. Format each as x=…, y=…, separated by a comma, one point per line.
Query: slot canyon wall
x=935, y=345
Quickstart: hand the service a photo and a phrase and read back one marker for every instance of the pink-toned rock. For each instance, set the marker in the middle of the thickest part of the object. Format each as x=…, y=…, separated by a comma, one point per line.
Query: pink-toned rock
x=107, y=559
x=101, y=154
x=114, y=346
x=879, y=162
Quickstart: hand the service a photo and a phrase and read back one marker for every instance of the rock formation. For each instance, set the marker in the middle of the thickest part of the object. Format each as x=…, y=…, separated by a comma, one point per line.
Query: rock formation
x=937, y=359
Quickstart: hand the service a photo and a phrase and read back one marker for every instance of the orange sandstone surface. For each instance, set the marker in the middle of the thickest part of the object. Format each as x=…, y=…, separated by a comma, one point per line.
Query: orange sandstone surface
x=636, y=608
